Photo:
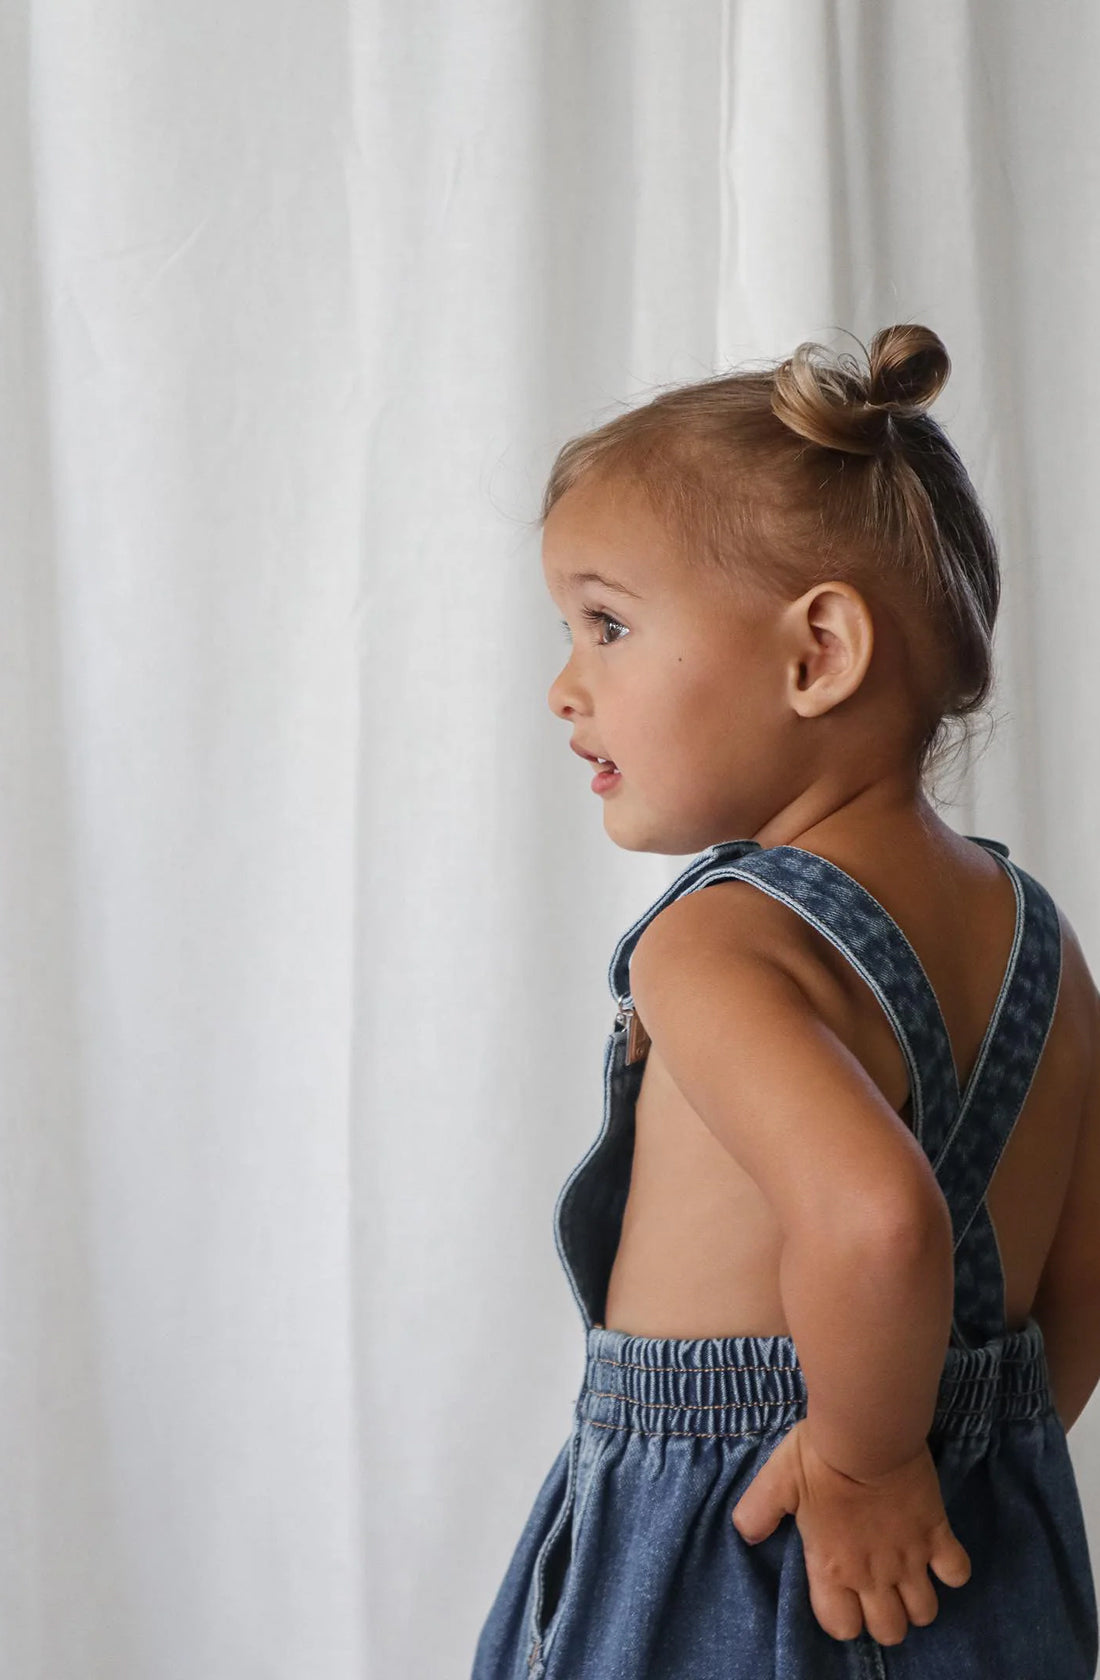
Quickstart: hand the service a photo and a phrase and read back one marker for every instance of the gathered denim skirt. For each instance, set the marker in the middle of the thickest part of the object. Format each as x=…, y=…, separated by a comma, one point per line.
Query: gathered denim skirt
x=629, y=1566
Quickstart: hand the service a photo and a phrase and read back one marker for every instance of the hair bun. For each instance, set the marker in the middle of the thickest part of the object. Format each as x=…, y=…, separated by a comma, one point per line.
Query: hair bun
x=841, y=405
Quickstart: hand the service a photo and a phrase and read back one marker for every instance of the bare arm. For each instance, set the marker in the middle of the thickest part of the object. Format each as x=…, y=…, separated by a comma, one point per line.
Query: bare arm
x=871, y=1321
x=866, y=1270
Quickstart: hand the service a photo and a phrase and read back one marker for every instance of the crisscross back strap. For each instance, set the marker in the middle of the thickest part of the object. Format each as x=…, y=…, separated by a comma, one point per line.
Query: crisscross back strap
x=963, y=1134
x=995, y=1094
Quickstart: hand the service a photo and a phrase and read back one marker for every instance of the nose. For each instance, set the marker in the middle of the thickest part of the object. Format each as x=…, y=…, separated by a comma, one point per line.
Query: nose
x=561, y=697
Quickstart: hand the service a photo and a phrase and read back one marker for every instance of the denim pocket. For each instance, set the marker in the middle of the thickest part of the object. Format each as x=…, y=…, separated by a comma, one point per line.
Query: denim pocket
x=556, y=1564
x=552, y=1560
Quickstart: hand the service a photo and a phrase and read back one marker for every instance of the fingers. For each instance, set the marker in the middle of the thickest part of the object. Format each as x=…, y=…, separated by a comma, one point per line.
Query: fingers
x=919, y=1598
x=950, y=1559
x=885, y=1615
x=887, y=1612
x=837, y=1608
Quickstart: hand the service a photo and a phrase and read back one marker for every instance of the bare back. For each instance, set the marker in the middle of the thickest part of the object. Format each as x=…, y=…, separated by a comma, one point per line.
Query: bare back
x=700, y=1246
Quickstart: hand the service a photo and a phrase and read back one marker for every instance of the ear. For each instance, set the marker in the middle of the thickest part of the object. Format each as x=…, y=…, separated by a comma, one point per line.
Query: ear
x=833, y=636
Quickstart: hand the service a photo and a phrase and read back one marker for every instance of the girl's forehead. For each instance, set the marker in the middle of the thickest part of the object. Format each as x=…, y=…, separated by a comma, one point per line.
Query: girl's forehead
x=605, y=547
x=599, y=511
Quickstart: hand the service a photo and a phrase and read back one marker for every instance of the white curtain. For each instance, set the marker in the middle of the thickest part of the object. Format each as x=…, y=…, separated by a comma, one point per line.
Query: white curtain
x=306, y=907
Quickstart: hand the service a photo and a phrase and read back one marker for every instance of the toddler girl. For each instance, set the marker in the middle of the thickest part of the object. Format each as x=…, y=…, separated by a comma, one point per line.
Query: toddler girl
x=835, y=1248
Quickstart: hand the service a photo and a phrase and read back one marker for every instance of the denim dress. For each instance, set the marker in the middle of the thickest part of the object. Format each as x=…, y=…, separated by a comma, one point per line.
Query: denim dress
x=629, y=1566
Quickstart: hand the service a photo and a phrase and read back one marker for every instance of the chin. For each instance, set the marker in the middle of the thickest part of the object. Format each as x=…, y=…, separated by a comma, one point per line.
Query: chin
x=631, y=837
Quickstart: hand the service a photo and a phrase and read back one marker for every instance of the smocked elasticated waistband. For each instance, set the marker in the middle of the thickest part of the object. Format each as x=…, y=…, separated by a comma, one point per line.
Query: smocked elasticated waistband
x=750, y=1385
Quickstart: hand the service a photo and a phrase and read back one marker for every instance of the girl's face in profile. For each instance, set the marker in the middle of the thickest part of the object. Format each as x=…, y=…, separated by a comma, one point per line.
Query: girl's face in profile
x=670, y=675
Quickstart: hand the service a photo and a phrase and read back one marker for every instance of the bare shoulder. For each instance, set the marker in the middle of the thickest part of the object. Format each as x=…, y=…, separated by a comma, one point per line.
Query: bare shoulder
x=733, y=919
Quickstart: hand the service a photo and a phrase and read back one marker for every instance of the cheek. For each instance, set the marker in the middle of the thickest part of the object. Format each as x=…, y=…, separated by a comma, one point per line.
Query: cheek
x=701, y=696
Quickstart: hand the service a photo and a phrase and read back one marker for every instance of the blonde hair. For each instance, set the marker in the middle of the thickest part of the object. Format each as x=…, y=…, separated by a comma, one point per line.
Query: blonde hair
x=815, y=467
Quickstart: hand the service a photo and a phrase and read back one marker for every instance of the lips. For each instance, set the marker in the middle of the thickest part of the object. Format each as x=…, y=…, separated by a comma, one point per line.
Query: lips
x=608, y=764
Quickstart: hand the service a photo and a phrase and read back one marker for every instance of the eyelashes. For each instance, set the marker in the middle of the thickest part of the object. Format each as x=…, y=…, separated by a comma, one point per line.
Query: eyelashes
x=593, y=615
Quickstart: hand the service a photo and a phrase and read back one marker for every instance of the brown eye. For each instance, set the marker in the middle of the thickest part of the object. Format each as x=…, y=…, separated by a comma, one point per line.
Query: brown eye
x=595, y=616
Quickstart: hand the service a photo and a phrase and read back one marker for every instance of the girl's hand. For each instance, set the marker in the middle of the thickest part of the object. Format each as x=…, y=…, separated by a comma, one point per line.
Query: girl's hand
x=868, y=1544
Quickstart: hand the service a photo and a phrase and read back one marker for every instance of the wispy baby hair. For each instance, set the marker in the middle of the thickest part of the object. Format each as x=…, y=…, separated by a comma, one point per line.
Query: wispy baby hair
x=817, y=467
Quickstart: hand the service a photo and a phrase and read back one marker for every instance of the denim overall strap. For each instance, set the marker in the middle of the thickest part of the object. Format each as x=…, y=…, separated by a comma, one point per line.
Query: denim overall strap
x=996, y=1091
x=848, y=916
x=697, y=873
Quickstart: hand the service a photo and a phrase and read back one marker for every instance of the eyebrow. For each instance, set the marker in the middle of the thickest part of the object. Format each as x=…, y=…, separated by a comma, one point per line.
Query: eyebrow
x=575, y=579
